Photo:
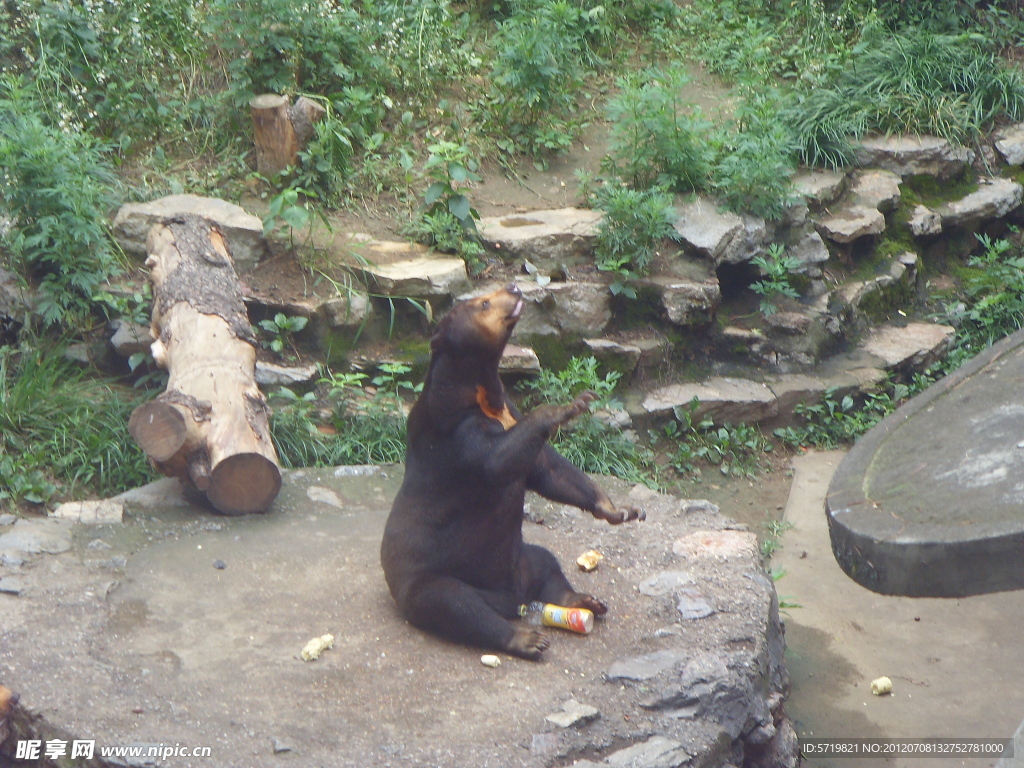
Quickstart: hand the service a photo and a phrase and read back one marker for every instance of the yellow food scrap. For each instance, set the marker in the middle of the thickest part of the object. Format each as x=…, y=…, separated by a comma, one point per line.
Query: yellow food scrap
x=881, y=686
x=490, y=661
x=588, y=560
x=316, y=646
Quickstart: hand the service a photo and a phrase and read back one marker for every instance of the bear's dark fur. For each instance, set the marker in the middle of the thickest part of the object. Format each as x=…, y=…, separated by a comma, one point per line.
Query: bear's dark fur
x=453, y=550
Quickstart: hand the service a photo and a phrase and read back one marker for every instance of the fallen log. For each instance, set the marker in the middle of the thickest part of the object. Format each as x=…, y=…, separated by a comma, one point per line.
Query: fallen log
x=210, y=427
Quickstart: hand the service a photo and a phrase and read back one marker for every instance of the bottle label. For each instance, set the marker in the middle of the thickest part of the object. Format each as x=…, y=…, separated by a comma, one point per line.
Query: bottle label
x=574, y=619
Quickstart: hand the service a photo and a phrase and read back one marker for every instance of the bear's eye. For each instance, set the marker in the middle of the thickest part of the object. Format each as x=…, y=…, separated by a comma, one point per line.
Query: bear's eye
x=485, y=304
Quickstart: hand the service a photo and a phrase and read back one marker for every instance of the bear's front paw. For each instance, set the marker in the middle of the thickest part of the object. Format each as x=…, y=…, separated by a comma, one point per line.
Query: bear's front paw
x=580, y=405
x=617, y=516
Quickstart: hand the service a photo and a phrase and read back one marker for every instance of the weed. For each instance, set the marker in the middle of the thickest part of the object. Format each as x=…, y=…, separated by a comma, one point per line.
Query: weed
x=62, y=432
x=833, y=422
x=755, y=41
x=365, y=426
x=772, y=541
x=656, y=138
x=775, y=284
x=590, y=443
x=634, y=224
x=282, y=330
x=58, y=187
x=135, y=307
x=755, y=161
x=127, y=69
x=287, y=209
x=536, y=75
x=448, y=219
x=995, y=294
x=918, y=82
x=280, y=46
x=735, y=450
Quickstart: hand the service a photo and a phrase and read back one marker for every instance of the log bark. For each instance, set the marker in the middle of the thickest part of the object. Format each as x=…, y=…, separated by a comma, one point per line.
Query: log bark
x=210, y=427
x=280, y=130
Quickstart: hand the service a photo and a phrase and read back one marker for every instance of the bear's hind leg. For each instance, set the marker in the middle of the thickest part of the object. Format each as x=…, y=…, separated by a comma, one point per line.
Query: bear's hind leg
x=452, y=609
x=546, y=582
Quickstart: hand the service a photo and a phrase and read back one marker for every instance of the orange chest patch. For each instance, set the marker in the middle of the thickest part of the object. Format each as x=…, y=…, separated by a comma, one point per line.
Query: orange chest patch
x=504, y=416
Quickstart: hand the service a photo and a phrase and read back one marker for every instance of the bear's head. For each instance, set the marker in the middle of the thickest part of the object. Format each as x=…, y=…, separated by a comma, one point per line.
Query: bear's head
x=479, y=327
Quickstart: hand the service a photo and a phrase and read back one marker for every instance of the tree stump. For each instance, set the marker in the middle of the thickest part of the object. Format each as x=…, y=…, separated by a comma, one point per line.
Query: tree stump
x=280, y=130
x=210, y=427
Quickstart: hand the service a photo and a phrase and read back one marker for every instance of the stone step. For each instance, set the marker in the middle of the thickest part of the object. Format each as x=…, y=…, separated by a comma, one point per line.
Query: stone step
x=995, y=198
x=243, y=231
x=427, y=276
x=914, y=155
x=1009, y=142
x=772, y=400
x=547, y=238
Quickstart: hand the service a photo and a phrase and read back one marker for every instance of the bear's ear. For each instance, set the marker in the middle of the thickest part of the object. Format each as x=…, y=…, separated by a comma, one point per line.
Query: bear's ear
x=441, y=334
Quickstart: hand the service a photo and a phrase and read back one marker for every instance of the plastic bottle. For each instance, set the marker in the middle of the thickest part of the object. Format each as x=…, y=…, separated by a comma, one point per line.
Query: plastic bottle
x=546, y=614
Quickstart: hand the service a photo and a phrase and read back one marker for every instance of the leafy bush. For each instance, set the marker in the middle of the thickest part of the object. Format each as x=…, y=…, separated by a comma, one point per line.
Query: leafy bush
x=292, y=46
x=831, y=422
x=913, y=82
x=633, y=226
x=657, y=138
x=756, y=161
x=994, y=300
x=775, y=284
x=447, y=219
x=536, y=75
x=281, y=329
x=734, y=450
x=125, y=69
x=758, y=41
x=59, y=428
x=58, y=187
x=366, y=427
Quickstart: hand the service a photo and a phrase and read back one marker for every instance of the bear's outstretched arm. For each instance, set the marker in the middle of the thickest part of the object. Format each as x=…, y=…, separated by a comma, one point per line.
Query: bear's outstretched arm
x=555, y=477
x=513, y=452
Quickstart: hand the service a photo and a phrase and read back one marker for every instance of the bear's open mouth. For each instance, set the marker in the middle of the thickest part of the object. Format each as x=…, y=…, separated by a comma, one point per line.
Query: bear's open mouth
x=516, y=310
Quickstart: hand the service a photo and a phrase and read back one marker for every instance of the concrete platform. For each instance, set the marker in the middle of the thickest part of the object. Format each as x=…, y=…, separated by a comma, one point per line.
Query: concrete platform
x=178, y=628
x=955, y=663
x=931, y=501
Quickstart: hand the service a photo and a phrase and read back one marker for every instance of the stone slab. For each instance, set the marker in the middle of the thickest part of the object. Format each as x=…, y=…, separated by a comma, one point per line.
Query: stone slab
x=928, y=502
x=994, y=199
x=848, y=224
x=543, y=236
x=876, y=189
x=914, y=155
x=243, y=231
x=273, y=375
x=820, y=187
x=722, y=399
x=425, y=277
x=1010, y=143
x=517, y=360
x=924, y=221
x=98, y=512
x=914, y=345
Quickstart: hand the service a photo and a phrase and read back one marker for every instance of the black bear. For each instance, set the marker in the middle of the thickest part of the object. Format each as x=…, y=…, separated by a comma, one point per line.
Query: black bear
x=453, y=550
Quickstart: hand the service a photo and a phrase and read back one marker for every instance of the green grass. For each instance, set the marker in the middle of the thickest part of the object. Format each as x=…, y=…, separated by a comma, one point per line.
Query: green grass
x=950, y=86
x=63, y=433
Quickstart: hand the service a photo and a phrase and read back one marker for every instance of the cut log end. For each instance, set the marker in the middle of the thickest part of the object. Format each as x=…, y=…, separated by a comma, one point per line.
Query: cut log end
x=244, y=483
x=159, y=429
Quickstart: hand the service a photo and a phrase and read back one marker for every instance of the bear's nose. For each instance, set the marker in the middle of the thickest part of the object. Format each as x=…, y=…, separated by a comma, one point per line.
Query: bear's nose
x=513, y=289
